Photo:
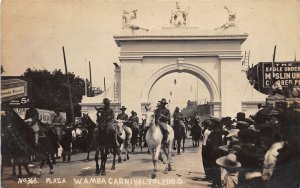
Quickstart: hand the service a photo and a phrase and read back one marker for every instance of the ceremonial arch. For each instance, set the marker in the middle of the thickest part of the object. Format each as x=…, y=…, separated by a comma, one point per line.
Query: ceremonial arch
x=212, y=56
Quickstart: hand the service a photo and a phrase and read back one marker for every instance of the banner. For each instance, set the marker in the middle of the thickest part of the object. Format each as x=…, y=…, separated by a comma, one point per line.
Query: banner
x=45, y=116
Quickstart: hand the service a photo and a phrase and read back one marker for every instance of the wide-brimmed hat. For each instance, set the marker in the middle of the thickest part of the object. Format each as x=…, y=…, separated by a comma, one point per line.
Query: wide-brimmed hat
x=106, y=100
x=163, y=101
x=123, y=108
x=229, y=161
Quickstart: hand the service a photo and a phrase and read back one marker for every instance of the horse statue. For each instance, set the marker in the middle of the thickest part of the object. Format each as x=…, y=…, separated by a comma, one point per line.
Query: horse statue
x=179, y=134
x=154, y=138
x=89, y=125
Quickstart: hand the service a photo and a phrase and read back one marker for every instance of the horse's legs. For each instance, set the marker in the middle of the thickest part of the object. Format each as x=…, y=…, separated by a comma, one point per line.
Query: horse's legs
x=154, y=160
x=183, y=142
x=127, y=150
x=13, y=167
x=169, y=149
x=174, y=144
x=132, y=145
x=97, y=161
x=113, y=167
x=19, y=168
x=88, y=154
x=50, y=166
x=27, y=169
x=104, y=154
x=178, y=145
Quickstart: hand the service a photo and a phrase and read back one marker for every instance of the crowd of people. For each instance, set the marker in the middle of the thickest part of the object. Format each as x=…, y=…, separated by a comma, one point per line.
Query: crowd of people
x=258, y=151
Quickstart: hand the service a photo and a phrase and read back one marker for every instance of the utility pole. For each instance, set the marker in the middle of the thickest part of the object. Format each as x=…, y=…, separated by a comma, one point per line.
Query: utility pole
x=69, y=87
x=104, y=85
x=273, y=61
x=90, y=73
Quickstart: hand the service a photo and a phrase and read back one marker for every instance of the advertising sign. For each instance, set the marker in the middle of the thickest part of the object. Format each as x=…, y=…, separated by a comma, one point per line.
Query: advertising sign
x=12, y=89
x=286, y=73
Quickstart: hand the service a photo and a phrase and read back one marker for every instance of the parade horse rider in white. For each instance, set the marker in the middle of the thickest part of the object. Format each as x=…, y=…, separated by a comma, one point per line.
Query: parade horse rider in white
x=154, y=138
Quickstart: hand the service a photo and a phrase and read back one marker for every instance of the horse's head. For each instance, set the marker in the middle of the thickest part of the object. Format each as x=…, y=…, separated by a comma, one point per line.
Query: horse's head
x=119, y=125
x=150, y=118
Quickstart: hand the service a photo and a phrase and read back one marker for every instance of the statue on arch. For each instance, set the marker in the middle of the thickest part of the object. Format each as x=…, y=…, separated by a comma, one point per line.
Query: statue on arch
x=231, y=19
x=179, y=18
x=127, y=18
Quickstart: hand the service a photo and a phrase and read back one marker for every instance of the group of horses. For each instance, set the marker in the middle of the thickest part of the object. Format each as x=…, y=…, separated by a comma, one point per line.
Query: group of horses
x=91, y=136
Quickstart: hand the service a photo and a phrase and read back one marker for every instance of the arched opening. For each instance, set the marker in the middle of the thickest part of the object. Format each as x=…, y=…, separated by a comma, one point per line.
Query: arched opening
x=185, y=68
x=178, y=89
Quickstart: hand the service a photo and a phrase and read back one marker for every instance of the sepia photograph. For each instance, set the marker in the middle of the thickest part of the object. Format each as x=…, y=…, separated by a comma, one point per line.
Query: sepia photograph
x=160, y=93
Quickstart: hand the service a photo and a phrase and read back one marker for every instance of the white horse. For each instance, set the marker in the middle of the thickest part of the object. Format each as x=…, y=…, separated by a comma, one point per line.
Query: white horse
x=154, y=138
x=124, y=143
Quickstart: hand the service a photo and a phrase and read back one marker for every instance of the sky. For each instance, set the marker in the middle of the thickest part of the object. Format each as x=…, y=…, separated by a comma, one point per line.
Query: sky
x=33, y=32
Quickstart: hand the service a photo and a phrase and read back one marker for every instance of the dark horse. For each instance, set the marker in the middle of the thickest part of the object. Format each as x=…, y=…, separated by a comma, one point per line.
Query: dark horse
x=88, y=123
x=195, y=132
x=135, y=135
x=103, y=141
x=179, y=134
x=17, y=141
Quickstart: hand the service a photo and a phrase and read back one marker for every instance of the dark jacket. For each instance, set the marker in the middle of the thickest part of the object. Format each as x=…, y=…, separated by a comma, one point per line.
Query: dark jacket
x=164, y=115
x=122, y=116
x=32, y=113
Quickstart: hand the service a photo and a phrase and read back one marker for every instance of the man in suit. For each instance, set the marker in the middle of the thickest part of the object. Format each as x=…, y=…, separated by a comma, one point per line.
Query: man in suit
x=214, y=141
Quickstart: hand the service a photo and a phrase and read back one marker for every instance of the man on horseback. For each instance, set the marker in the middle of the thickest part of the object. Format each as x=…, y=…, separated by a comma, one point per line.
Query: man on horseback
x=134, y=120
x=124, y=117
x=107, y=119
x=58, y=122
x=176, y=116
x=32, y=117
x=162, y=118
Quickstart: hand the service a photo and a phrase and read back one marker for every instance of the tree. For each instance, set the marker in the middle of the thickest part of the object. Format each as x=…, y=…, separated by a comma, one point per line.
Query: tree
x=50, y=90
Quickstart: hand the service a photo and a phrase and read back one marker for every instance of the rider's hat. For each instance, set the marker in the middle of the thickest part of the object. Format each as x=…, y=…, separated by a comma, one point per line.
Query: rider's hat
x=123, y=108
x=163, y=101
x=106, y=100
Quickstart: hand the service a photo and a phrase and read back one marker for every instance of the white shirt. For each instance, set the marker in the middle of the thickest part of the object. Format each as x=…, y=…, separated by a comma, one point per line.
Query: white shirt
x=205, y=136
x=270, y=160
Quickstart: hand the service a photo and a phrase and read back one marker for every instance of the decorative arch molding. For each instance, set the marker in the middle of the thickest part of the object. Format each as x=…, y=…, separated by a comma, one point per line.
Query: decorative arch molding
x=182, y=67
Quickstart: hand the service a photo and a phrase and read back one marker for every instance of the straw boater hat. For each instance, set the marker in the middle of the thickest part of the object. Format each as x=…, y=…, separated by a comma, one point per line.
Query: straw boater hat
x=123, y=108
x=228, y=161
x=233, y=132
x=163, y=101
